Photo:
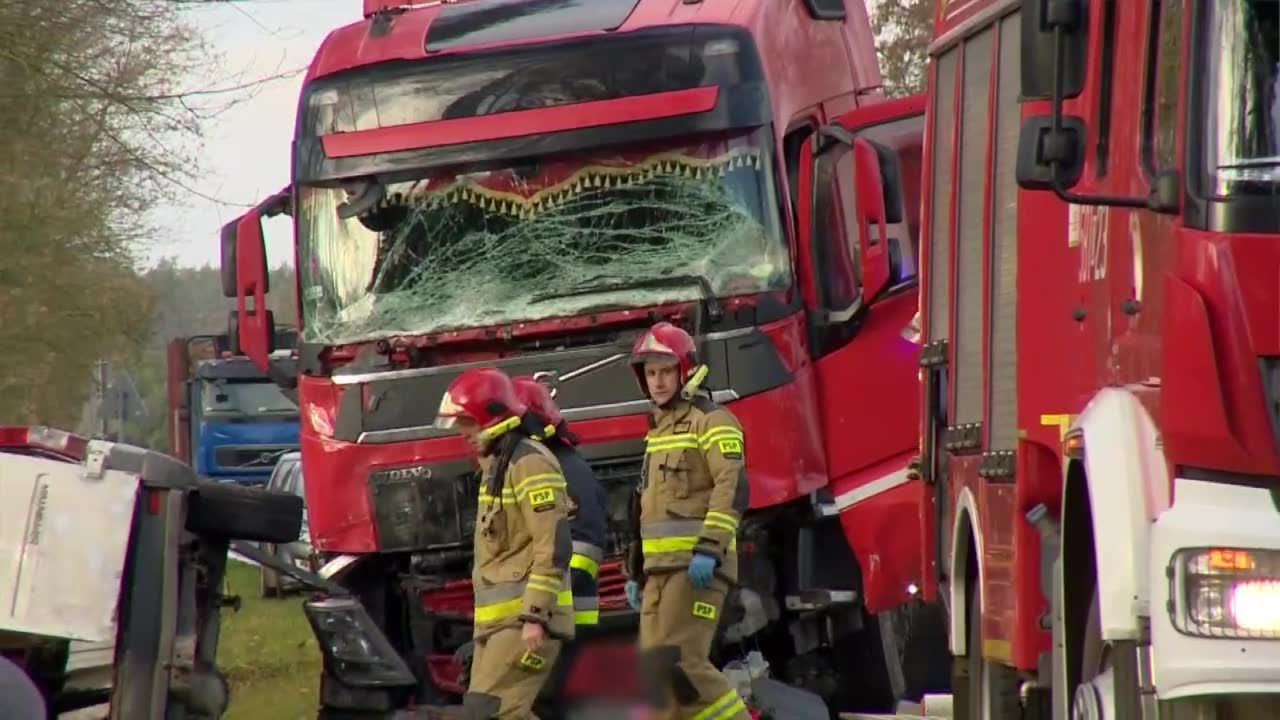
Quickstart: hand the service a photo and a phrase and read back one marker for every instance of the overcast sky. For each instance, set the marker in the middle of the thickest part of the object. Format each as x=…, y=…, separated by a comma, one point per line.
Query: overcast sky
x=246, y=149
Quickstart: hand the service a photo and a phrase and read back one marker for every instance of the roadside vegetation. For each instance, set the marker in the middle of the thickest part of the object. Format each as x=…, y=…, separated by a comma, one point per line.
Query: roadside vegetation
x=268, y=652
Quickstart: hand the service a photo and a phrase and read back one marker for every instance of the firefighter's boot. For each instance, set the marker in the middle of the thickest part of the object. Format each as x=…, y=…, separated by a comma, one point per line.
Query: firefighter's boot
x=677, y=626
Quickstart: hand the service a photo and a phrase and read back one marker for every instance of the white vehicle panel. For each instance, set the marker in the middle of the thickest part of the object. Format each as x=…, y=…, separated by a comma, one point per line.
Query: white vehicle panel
x=63, y=540
x=1128, y=488
x=1207, y=515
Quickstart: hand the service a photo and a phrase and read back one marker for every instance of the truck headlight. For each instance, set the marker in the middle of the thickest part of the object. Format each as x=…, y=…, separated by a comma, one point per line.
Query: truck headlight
x=1226, y=592
x=355, y=650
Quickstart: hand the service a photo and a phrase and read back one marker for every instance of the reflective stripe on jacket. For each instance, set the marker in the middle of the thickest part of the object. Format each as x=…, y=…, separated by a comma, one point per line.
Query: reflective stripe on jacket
x=522, y=545
x=694, y=489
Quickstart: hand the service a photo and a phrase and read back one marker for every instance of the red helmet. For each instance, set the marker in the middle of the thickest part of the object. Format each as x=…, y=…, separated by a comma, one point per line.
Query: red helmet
x=666, y=343
x=537, y=397
x=485, y=395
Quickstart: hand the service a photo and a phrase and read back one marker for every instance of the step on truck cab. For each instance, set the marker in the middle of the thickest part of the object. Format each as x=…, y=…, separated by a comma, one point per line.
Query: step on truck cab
x=531, y=185
x=1100, y=300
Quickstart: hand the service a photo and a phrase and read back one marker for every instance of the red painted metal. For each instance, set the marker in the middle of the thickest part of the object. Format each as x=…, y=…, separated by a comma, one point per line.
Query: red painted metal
x=1206, y=315
x=521, y=123
x=889, y=570
x=838, y=424
x=64, y=445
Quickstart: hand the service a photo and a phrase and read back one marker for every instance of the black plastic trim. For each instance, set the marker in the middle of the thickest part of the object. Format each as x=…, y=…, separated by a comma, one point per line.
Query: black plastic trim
x=747, y=362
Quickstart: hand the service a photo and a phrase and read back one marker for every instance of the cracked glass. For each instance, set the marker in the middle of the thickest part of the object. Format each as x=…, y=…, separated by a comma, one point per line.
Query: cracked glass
x=452, y=250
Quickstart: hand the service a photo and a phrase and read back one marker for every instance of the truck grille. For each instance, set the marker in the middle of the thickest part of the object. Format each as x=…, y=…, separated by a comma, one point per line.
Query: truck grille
x=256, y=457
x=619, y=478
x=425, y=507
x=418, y=511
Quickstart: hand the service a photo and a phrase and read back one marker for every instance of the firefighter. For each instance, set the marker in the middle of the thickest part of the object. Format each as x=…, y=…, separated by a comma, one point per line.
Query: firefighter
x=587, y=521
x=586, y=527
x=693, y=492
x=523, y=601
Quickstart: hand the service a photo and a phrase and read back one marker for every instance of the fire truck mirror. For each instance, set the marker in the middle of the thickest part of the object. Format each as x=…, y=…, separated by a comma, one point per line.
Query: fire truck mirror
x=1039, y=148
x=1055, y=40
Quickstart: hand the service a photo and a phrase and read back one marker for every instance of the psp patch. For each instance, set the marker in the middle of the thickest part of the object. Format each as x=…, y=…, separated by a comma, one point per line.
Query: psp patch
x=730, y=447
x=706, y=611
x=542, y=499
x=532, y=661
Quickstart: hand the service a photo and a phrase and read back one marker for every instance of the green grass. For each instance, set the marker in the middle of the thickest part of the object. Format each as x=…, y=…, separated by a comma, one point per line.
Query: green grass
x=268, y=652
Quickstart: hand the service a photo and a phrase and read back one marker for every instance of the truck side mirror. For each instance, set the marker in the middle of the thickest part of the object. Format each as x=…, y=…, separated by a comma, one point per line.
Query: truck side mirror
x=1045, y=23
x=871, y=208
x=1054, y=47
x=1055, y=54
x=256, y=326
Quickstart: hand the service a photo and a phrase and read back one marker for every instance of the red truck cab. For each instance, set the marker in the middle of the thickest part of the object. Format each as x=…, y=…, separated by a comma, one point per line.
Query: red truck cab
x=530, y=185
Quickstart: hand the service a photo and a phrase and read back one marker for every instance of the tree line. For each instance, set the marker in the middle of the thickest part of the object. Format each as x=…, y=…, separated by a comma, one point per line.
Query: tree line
x=96, y=128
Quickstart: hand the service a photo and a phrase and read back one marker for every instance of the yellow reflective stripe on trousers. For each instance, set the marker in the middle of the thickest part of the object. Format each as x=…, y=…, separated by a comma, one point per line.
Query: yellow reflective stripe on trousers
x=725, y=706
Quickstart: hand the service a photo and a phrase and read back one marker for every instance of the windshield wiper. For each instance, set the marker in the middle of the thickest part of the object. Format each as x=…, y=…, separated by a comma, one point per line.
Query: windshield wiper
x=714, y=311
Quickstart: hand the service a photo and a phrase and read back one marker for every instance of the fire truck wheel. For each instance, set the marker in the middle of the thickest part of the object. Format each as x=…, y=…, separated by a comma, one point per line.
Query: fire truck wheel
x=244, y=513
x=1109, y=684
x=993, y=687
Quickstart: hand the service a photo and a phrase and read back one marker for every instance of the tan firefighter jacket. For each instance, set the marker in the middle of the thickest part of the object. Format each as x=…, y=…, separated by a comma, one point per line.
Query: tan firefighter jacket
x=522, y=544
x=694, y=487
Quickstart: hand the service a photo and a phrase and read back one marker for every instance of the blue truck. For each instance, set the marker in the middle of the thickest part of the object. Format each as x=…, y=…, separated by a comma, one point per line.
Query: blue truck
x=227, y=418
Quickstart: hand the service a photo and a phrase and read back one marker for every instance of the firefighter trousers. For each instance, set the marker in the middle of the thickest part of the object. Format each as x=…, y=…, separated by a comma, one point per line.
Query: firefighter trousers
x=506, y=678
x=677, y=626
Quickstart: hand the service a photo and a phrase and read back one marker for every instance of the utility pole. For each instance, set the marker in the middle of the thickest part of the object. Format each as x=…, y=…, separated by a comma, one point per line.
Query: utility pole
x=103, y=369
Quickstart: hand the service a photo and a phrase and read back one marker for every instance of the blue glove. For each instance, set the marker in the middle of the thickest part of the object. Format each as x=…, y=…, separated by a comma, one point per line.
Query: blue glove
x=634, y=594
x=701, y=568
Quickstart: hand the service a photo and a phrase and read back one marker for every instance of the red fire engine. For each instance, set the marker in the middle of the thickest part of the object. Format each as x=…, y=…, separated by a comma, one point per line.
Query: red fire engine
x=530, y=185
x=1101, y=367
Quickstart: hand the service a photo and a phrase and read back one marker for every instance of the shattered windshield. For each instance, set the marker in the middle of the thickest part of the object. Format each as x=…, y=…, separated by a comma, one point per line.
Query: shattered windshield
x=449, y=251
x=245, y=400
x=1243, y=53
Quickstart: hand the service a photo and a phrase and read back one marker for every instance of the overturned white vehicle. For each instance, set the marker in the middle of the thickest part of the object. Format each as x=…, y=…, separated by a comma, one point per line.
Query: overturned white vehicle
x=104, y=542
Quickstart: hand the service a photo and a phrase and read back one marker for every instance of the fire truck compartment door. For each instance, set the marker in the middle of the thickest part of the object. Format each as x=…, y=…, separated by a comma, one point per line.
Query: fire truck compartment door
x=63, y=540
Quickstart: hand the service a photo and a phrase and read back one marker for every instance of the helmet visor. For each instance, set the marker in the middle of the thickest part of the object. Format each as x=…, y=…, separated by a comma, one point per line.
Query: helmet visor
x=448, y=414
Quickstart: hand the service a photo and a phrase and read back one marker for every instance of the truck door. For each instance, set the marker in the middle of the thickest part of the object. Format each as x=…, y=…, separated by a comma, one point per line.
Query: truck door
x=859, y=219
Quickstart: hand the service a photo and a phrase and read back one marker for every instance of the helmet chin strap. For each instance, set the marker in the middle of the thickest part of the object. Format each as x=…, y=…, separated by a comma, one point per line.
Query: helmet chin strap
x=496, y=431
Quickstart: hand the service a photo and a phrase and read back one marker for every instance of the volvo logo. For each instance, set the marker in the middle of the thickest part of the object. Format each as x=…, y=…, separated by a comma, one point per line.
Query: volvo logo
x=415, y=472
